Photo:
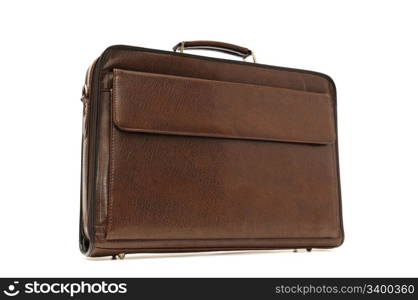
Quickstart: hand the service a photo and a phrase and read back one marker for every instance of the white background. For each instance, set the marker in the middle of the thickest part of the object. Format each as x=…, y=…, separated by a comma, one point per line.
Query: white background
x=369, y=48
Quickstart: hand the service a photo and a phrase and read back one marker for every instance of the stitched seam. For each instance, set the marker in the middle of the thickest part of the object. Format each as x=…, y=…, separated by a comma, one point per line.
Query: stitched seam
x=333, y=114
x=337, y=206
x=231, y=137
x=111, y=160
x=298, y=239
x=219, y=60
x=307, y=240
x=332, y=120
x=225, y=82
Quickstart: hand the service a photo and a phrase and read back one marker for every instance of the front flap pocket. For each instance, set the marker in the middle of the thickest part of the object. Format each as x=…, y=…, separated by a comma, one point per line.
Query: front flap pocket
x=166, y=104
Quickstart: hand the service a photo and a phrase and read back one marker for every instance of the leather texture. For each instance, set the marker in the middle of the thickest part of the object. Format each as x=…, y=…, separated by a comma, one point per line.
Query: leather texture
x=190, y=153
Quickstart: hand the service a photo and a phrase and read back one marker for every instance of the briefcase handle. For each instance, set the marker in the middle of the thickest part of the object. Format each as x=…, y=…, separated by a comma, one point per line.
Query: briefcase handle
x=215, y=46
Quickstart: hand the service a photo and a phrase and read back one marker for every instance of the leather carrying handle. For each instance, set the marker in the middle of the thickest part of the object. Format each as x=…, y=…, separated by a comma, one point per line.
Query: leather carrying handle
x=215, y=46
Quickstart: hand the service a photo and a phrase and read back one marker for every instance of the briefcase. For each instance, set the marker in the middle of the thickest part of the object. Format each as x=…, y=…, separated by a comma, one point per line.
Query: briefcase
x=192, y=153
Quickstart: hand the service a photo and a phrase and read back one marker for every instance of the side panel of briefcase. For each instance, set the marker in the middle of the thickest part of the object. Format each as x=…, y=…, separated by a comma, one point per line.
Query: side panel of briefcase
x=95, y=156
x=84, y=236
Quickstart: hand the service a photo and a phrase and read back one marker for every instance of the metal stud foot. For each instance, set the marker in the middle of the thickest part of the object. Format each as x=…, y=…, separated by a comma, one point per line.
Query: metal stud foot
x=309, y=249
x=121, y=255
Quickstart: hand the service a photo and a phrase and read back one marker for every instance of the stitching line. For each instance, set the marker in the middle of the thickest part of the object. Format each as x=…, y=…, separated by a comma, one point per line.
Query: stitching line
x=112, y=146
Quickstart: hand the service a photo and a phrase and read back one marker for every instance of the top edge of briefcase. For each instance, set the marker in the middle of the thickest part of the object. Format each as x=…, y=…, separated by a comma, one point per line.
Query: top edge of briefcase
x=107, y=53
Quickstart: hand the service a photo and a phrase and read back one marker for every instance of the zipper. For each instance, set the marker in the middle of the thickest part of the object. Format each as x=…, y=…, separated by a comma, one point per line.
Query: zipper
x=85, y=99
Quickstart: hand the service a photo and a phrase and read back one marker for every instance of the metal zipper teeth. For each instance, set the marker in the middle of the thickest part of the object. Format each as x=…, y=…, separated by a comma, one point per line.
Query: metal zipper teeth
x=92, y=133
x=86, y=99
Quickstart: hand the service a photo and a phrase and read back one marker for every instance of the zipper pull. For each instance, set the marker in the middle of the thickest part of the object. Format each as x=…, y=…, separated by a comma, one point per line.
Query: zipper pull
x=84, y=93
x=85, y=100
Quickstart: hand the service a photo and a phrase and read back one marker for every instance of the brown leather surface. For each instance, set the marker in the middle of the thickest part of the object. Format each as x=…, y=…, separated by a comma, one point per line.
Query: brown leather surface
x=146, y=102
x=196, y=154
x=162, y=62
x=165, y=187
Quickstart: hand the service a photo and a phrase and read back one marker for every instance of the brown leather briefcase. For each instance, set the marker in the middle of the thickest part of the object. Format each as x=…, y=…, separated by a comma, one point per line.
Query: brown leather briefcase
x=190, y=153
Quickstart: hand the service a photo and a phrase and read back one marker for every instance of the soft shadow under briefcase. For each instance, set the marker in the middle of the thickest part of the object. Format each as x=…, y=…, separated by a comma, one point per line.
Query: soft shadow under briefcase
x=190, y=153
